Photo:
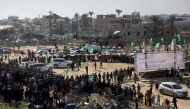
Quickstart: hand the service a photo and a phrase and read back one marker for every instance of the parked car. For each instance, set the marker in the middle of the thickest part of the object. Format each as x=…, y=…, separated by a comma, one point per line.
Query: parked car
x=18, y=40
x=23, y=64
x=42, y=51
x=173, y=89
x=74, y=50
x=64, y=51
x=60, y=62
x=42, y=67
x=5, y=50
x=54, y=50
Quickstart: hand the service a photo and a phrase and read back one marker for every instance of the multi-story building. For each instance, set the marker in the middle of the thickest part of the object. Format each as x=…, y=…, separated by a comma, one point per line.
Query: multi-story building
x=129, y=26
x=89, y=28
x=55, y=24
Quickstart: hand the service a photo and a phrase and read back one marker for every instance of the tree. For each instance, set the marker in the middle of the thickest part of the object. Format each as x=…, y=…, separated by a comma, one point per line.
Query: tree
x=170, y=21
x=155, y=22
x=76, y=16
x=84, y=21
x=91, y=13
x=118, y=12
x=110, y=32
x=67, y=20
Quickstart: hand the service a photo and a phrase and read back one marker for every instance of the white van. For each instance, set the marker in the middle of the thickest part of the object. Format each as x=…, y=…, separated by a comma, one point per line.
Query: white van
x=90, y=48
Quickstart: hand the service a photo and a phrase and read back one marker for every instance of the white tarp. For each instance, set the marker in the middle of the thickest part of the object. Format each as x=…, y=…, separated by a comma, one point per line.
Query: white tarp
x=140, y=62
x=160, y=61
x=179, y=57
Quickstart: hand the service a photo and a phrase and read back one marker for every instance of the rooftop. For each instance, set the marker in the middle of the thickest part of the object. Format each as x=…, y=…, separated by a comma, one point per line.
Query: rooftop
x=2, y=27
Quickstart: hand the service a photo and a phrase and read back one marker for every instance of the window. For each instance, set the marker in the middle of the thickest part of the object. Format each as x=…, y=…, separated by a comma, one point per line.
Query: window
x=166, y=85
x=145, y=33
x=168, y=32
x=138, y=33
x=129, y=33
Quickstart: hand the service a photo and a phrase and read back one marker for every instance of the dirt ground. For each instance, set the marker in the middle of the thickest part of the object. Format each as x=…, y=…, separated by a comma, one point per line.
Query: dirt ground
x=183, y=103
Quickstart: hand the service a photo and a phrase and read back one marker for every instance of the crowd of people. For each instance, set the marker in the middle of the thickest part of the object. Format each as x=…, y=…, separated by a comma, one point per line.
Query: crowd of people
x=47, y=88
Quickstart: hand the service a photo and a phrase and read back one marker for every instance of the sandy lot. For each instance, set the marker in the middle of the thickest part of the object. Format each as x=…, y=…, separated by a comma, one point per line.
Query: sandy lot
x=183, y=103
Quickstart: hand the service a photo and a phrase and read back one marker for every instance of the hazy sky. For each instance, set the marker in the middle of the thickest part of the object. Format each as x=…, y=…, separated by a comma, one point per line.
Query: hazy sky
x=67, y=8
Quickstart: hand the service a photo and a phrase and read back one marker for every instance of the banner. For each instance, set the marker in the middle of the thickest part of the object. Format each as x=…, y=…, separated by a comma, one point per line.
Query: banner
x=179, y=57
x=140, y=63
x=160, y=61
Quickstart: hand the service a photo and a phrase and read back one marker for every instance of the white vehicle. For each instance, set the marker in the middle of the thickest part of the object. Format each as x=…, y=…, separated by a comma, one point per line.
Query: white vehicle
x=74, y=50
x=18, y=40
x=60, y=62
x=173, y=89
x=39, y=48
x=90, y=48
x=34, y=39
x=23, y=64
x=54, y=50
x=42, y=67
x=42, y=51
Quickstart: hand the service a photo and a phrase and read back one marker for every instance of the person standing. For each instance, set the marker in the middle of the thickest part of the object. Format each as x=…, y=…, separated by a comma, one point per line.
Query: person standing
x=86, y=70
x=136, y=102
x=158, y=99
x=72, y=65
x=63, y=93
x=175, y=102
x=156, y=87
x=95, y=65
x=101, y=63
x=138, y=88
x=178, y=71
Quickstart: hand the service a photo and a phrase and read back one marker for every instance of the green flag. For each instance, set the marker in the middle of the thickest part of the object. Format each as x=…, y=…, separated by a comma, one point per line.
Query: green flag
x=56, y=55
x=179, y=37
x=133, y=46
x=37, y=55
x=67, y=71
x=46, y=59
x=8, y=56
x=175, y=41
x=13, y=44
x=184, y=43
x=162, y=40
x=90, y=97
x=158, y=46
x=91, y=77
x=151, y=41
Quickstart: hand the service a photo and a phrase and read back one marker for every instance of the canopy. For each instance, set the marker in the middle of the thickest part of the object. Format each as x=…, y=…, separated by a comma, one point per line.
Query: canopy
x=116, y=32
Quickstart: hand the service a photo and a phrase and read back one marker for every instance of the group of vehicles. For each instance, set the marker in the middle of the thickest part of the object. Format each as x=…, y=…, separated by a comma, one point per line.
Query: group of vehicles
x=64, y=50
x=54, y=63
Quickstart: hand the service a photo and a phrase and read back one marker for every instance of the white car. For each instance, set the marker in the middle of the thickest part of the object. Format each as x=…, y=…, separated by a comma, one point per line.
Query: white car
x=18, y=40
x=42, y=52
x=74, y=50
x=42, y=67
x=23, y=64
x=174, y=89
x=60, y=62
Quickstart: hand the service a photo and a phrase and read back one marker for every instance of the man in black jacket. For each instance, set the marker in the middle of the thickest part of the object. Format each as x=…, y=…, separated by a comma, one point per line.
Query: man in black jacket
x=175, y=102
